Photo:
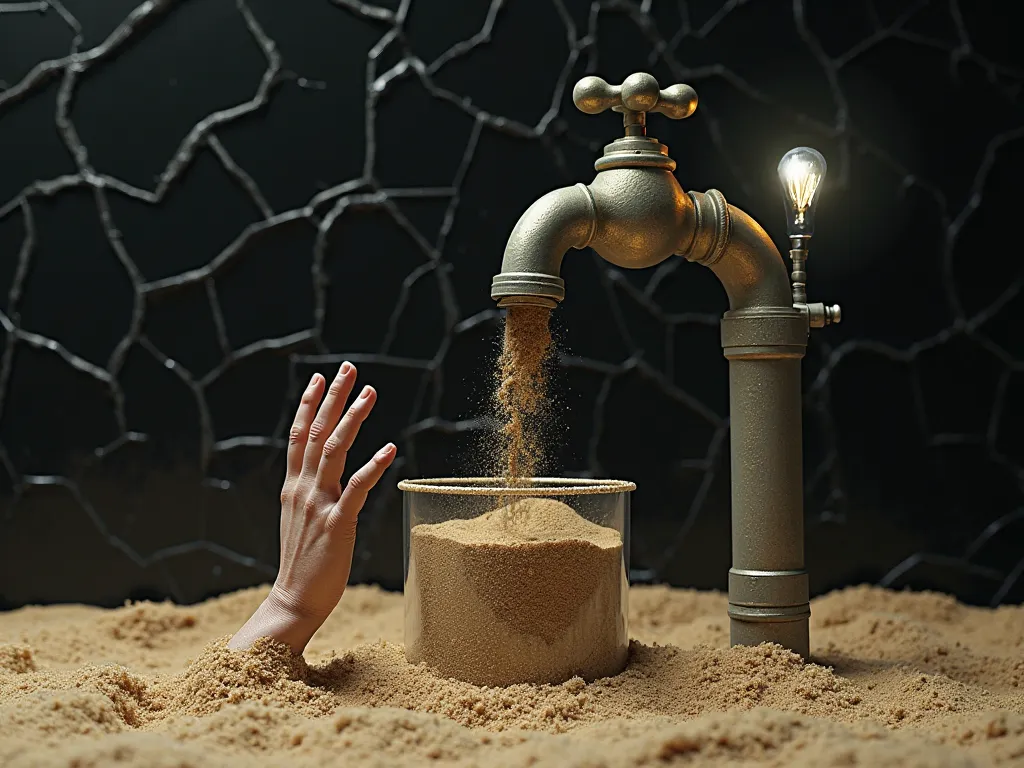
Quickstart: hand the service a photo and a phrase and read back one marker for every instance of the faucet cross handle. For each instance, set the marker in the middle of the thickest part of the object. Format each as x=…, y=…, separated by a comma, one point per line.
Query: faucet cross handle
x=638, y=95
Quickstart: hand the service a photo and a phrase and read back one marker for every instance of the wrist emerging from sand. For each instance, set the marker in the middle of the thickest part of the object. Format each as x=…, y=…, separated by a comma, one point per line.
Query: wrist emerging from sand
x=279, y=619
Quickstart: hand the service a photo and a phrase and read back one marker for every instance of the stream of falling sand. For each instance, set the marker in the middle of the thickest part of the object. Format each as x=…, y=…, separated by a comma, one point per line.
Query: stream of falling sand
x=522, y=394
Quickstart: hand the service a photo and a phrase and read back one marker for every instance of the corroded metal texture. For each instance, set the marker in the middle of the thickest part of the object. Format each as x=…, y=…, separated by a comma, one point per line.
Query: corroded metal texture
x=767, y=582
x=559, y=220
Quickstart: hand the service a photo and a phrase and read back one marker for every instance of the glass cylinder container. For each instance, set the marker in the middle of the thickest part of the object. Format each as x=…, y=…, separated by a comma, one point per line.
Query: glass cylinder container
x=523, y=584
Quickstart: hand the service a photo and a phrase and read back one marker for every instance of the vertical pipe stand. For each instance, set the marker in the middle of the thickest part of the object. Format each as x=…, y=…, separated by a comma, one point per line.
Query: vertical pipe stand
x=769, y=598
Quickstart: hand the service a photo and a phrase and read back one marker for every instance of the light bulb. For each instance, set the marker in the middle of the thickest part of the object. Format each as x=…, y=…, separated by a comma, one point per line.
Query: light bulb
x=801, y=171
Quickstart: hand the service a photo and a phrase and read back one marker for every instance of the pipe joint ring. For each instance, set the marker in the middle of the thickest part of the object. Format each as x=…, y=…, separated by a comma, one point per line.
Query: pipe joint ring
x=768, y=589
x=712, y=228
x=769, y=615
x=593, y=214
x=528, y=284
x=779, y=330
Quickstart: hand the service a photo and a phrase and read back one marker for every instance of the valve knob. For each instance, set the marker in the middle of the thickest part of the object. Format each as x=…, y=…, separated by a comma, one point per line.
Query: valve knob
x=639, y=92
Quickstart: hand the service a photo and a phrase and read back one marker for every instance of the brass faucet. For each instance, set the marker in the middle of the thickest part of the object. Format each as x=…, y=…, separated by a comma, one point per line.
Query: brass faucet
x=635, y=215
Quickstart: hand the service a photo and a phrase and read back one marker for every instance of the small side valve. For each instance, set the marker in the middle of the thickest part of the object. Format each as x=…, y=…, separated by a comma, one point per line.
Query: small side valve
x=821, y=315
x=801, y=172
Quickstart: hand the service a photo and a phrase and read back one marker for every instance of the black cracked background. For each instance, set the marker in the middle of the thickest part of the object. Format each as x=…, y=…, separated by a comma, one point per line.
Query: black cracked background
x=201, y=203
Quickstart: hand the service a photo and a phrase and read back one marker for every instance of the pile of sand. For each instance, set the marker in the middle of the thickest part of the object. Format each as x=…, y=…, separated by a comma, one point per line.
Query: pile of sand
x=900, y=680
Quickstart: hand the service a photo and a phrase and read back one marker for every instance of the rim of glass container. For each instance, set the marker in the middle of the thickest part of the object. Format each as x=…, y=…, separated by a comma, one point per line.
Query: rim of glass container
x=493, y=486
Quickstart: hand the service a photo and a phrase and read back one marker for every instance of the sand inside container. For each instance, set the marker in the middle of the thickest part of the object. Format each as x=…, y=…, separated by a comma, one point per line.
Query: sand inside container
x=533, y=596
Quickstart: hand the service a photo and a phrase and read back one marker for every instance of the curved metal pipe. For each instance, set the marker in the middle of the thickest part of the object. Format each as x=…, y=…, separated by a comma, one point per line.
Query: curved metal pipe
x=632, y=217
x=562, y=219
x=740, y=253
x=700, y=226
x=751, y=269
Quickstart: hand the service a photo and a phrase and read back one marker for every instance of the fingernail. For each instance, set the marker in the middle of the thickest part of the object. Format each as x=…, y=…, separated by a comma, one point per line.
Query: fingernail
x=312, y=380
x=346, y=367
x=386, y=451
x=365, y=393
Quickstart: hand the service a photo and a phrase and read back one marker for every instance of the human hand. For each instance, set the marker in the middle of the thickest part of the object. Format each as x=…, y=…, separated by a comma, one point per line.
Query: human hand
x=318, y=517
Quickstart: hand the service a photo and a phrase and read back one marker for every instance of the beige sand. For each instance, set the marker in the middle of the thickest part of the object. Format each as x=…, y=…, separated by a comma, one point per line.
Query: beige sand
x=901, y=680
x=525, y=593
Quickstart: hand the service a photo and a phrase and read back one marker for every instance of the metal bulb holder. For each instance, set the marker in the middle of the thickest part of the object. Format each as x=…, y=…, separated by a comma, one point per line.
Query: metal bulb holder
x=635, y=214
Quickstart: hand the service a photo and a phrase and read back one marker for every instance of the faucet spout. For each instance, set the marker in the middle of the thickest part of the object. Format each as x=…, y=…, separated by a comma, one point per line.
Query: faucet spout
x=633, y=217
x=530, y=270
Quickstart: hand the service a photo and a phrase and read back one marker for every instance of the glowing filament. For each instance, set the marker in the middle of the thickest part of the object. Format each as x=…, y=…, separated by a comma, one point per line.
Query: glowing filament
x=801, y=184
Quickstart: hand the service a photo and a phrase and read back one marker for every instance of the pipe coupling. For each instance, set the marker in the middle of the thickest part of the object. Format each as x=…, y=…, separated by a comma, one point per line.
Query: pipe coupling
x=527, y=288
x=768, y=589
x=770, y=606
x=767, y=333
x=711, y=230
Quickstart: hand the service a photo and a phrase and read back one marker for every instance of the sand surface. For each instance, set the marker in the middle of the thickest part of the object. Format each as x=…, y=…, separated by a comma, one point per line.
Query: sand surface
x=898, y=679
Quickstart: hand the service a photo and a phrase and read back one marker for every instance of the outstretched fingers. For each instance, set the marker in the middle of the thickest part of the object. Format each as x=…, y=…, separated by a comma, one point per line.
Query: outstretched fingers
x=298, y=435
x=346, y=511
x=335, y=451
x=327, y=418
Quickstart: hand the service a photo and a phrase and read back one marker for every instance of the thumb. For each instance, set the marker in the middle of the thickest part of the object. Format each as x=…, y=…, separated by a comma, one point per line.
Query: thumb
x=345, y=515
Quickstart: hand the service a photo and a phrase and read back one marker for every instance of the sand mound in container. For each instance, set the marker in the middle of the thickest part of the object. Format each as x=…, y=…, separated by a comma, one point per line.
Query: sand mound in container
x=530, y=592
x=874, y=697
